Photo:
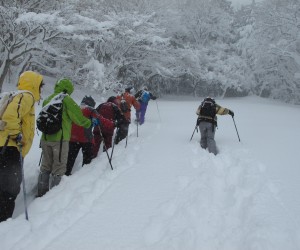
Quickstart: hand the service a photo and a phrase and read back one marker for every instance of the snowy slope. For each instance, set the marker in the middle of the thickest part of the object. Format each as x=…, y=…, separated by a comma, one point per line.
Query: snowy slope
x=165, y=192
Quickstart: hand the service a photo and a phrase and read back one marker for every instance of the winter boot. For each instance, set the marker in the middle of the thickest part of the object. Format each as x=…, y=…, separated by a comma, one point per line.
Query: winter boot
x=43, y=183
x=55, y=180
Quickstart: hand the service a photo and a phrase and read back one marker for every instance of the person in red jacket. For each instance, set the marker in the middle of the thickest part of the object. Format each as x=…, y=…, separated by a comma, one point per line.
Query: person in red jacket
x=82, y=138
x=110, y=111
x=131, y=101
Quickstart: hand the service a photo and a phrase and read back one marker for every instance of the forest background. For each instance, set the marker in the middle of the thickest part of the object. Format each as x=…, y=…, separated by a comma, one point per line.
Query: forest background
x=181, y=47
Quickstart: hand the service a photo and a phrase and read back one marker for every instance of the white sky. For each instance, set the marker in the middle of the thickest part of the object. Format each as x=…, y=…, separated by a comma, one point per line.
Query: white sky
x=165, y=192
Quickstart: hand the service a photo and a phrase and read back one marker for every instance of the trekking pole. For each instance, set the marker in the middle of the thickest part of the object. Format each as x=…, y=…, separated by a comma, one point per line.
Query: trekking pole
x=236, y=129
x=158, y=111
x=113, y=146
x=137, y=129
x=126, y=140
x=41, y=159
x=23, y=181
x=137, y=125
x=109, y=160
x=196, y=128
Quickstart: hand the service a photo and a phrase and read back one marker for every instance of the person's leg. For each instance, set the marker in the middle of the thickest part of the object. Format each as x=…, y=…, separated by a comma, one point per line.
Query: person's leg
x=74, y=148
x=87, y=153
x=45, y=169
x=203, y=132
x=59, y=166
x=108, y=138
x=96, y=145
x=143, y=109
x=211, y=143
x=122, y=132
x=10, y=181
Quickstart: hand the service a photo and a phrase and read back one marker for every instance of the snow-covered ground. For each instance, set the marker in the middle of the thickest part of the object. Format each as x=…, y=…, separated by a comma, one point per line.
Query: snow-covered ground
x=165, y=192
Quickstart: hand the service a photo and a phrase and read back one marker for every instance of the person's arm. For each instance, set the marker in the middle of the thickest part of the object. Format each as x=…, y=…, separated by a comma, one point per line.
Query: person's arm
x=152, y=97
x=223, y=111
x=75, y=113
x=135, y=103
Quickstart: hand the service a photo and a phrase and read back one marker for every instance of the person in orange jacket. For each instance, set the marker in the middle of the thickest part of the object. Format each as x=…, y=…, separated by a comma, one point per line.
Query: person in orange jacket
x=16, y=138
x=130, y=101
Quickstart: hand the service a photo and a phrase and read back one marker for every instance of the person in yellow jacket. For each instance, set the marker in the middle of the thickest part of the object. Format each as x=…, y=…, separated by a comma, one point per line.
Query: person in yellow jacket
x=207, y=121
x=18, y=134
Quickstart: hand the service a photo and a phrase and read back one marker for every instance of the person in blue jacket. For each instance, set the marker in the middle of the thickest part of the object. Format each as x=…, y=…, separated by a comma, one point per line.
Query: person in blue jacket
x=143, y=96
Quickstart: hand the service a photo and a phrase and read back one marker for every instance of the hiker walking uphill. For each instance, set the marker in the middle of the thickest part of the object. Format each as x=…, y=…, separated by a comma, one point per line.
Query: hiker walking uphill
x=16, y=138
x=143, y=96
x=55, y=146
x=82, y=138
x=125, y=102
x=207, y=122
x=110, y=111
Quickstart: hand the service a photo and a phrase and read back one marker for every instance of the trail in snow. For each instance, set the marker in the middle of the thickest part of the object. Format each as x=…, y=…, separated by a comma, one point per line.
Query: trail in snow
x=164, y=193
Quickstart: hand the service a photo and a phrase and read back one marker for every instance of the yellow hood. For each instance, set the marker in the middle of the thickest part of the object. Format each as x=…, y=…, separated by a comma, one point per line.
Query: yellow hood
x=31, y=81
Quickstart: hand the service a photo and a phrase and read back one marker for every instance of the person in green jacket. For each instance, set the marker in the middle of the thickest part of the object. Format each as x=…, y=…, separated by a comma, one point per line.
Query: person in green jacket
x=55, y=147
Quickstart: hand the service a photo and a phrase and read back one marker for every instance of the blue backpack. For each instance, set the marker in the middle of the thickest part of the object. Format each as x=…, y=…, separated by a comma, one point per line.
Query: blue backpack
x=145, y=97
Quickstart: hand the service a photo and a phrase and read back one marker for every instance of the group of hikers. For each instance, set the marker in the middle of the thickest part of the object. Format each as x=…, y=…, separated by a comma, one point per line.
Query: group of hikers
x=83, y=126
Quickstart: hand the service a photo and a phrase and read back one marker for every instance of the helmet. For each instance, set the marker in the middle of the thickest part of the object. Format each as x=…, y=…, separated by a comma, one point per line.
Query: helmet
x=88, y=100
x=145, y=88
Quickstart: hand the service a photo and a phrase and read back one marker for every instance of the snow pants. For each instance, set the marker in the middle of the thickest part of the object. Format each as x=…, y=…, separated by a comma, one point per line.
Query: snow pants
x=207, y=130
x=108, y=135
x=140, y=114
x=10, y=181
x=74, y=148
x=122, y=132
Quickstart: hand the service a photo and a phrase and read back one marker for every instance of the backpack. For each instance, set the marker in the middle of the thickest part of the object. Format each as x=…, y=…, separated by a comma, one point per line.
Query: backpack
x=5, y=99
x=49, y=120
x=124, y=105
x=145, y=97
x=208, y=108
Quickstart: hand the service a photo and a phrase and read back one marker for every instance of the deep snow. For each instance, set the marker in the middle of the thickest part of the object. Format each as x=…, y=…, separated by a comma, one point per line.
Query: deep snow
x=165, y=192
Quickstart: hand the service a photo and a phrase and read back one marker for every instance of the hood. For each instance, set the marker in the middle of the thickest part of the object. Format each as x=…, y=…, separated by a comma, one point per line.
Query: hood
x=64, y=85
x=31, y=81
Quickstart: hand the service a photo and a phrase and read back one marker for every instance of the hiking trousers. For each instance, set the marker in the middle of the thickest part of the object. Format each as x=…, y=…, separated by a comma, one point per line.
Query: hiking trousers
x=140, y=114
x=74, y=148
x=207, y=130
x=10, y=181
x=51, y=162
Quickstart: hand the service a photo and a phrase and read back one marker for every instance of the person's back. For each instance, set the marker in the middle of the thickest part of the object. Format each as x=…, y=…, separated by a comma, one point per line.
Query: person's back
x=207, y=122
x=110, y=111
x=16, y=139
x=131, y=101
x=82, y=138
x=143, y=96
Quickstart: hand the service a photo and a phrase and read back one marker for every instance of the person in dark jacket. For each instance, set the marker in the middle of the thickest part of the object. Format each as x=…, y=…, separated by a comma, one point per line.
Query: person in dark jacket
x=110, y=111
x=143, y=96
x=207, y=122
x=82, y=138
x=16, y=139
x=130, y=101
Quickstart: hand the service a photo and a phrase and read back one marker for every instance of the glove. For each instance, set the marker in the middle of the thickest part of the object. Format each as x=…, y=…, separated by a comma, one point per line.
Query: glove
x=231, y=113
x=154, y=98
x=95, y=122
x=19, y=138
x=198, y=122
